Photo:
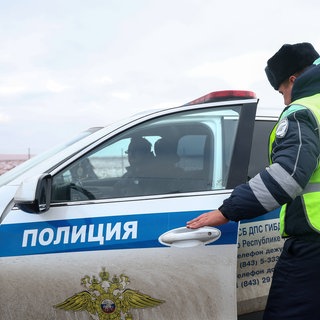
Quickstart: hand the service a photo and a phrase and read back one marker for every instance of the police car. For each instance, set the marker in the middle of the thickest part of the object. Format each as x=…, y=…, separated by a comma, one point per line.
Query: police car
x=95, y=228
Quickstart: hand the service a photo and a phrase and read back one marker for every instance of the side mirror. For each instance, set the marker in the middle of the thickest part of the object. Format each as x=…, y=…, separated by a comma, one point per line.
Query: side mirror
x=34, y=194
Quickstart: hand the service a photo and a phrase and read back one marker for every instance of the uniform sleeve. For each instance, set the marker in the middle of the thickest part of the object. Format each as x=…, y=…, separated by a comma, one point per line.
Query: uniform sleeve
x=295, y=154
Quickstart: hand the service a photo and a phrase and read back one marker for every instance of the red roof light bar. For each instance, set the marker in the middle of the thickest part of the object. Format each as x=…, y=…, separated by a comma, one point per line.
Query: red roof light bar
x=225, y=95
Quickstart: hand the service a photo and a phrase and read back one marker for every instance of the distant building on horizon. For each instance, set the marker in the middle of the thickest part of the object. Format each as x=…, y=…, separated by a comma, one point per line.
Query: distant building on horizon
x=9, y=161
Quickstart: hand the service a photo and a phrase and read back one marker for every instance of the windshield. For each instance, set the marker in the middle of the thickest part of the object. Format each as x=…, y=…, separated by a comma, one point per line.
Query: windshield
x=27, y=165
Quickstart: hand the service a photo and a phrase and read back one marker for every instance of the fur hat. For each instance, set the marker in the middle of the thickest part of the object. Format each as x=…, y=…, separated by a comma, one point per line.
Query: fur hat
x=291, y=58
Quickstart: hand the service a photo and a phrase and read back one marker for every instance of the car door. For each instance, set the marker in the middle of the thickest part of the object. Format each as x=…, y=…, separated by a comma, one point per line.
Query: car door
x=112, y=243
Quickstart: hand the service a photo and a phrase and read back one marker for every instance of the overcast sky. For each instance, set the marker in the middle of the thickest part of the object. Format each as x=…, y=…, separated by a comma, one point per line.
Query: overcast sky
x=66, y=65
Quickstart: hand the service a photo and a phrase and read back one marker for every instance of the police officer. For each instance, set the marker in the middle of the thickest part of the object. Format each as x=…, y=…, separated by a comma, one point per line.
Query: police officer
x=292, y=181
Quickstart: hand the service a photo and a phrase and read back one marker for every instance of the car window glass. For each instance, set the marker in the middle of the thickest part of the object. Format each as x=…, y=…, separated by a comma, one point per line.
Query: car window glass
x=34, y=161
x=259, y=151
x=183, y=152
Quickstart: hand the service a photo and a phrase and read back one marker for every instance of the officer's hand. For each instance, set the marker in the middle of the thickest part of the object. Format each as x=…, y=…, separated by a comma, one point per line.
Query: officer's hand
x=211, y=218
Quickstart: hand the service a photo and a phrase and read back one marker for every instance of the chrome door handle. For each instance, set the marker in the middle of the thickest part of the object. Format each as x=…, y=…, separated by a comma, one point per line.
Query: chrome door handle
x=185, y=237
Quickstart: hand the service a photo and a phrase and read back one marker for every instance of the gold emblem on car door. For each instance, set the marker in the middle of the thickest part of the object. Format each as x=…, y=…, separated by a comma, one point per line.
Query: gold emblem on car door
x=108, y=299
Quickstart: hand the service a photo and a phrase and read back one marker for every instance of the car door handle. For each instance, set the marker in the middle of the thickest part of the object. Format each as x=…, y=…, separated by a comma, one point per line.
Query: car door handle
x=185, y=237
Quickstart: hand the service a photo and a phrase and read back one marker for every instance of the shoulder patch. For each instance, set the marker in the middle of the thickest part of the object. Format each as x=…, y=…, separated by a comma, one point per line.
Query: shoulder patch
x=282, y=128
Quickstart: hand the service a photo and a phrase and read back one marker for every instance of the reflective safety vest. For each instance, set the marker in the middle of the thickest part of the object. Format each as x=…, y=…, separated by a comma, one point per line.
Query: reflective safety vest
x=310, y=196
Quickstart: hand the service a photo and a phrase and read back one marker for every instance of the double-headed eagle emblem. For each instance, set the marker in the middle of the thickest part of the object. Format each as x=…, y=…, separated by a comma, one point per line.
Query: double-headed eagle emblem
x=106, y=299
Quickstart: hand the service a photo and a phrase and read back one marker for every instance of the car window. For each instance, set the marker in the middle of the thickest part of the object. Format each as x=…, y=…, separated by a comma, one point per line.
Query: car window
x=259, y=151
x=183, y=152
x=34, y=161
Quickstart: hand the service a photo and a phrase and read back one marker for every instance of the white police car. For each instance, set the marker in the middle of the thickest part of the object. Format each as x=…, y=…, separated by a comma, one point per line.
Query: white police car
x=95, y=228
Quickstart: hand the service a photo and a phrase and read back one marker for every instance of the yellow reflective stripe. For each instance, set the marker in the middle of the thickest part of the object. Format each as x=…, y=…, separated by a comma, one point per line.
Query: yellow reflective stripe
x=282, y=218
x=313, y=105
x=272, y=137
x=311, y=204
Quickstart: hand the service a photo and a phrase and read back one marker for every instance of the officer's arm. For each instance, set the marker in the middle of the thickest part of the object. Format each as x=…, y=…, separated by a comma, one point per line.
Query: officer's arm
x=295, y=157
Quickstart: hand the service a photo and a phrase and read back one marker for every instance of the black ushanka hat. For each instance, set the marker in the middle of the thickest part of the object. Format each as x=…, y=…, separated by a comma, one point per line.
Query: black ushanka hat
x=291, y=58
